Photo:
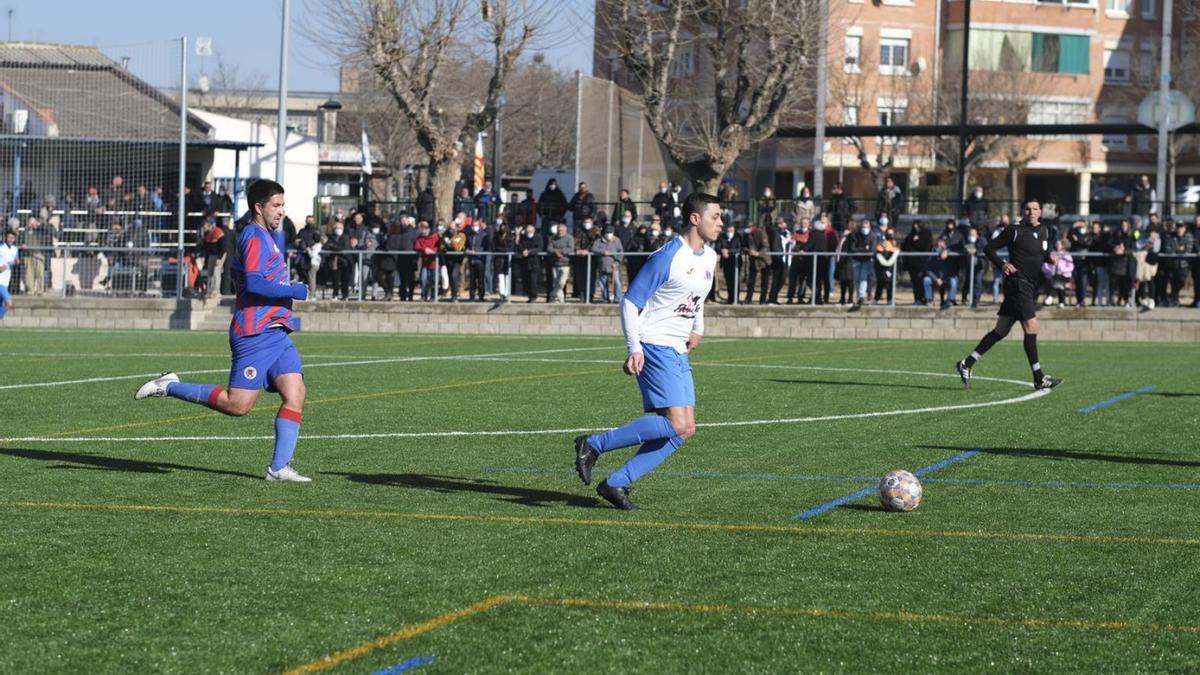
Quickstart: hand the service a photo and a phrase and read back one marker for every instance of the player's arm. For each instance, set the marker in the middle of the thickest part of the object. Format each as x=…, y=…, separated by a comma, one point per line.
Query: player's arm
x=652, y=276
x=631, y=326
x=255, y=256
x=992, y=250
x=693, y=340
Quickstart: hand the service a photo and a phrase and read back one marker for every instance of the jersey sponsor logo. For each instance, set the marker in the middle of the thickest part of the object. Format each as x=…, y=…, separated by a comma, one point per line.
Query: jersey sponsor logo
x=690, y=307
x=250, y=373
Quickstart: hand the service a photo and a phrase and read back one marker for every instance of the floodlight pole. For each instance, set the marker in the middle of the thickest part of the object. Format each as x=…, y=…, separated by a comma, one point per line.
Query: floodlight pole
x=181, y=203
x=1164, y=91
x=960, y=178
x=819, y=145
x=281, y=129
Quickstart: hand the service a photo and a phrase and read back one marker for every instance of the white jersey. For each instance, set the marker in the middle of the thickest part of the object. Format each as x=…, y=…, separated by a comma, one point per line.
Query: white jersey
x=669, y=291
x=8, y=256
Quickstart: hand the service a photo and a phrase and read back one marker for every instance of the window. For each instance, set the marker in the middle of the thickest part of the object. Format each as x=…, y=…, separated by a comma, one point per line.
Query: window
x=1085, y=3
x=1147, y=64
x=683, y=66
x=850, y=114
x=1056, y=53
x=1124, y=7
x=891, y=113
x=1114, y=141
x=1148, y=9
x=1021, y=51
x=853, y=53
x=1116, y=65
x=1059, y=112
x=893, y=56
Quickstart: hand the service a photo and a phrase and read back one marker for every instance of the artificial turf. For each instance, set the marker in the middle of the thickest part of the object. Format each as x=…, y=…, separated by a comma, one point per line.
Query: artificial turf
x=1067, y=542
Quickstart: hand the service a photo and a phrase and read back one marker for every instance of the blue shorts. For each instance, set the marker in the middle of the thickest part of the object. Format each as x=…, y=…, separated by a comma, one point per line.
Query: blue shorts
x=259, y=359
x=5, y=296
x=666, y=379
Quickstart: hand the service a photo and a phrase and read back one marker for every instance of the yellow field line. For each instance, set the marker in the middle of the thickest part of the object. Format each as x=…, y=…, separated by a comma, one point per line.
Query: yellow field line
x=495, y=601
x=399, y=636
x=608, y=522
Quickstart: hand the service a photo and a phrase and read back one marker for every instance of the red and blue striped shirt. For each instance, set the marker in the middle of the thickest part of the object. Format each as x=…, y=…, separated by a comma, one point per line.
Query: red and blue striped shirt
x=265, y=296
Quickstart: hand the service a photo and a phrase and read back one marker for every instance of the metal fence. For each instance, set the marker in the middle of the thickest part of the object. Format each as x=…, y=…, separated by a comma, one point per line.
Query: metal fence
x=811, y=278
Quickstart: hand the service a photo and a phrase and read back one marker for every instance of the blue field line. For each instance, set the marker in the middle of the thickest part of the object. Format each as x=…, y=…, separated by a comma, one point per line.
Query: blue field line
x=813, y=512
x=414, y=662
x=1116, y=399
x=859, y=479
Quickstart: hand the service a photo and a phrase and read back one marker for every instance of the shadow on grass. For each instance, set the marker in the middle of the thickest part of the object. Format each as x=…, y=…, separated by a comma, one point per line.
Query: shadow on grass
x=1173, y=394
x=73, y=460
x=864, y=384
x=1048, y=453
x=862, y=507
x=454, y=484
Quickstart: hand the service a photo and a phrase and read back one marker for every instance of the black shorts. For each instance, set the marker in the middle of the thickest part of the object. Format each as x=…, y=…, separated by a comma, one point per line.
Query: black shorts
x=1020, y=299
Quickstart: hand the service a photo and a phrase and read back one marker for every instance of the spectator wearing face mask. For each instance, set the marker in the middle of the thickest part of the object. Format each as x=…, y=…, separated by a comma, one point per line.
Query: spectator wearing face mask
x=428, y=244
x=341, y=263
x=676, y=218
x=940, y=278
x=887, y=253
x=860, y=250
x=891, y=200
x=487, y=202
x=582, y=206
x=502, y=246
x=827, y=242
x=562, y=244
x=1079, y=243
x=1177, y=244
x=776, y=233
x=973, y=246
x=801, y=269
x=663, y=202
x=916, y=247
x=373, y=240
x=1121, y=266
x=582, y=266
x=386, y=259
x=758, y=248
x=529, y=248
x=729, y=250
x=478, y=246
x=609, y=253
x=624, y=204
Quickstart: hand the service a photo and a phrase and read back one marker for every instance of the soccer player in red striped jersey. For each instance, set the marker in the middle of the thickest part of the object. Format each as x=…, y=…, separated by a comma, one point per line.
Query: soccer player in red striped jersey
x=259, y=334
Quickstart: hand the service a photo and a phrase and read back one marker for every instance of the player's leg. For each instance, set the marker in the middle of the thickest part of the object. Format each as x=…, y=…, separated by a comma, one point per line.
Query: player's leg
x=1004, y=324
x=1040, y=379
x=286, y=376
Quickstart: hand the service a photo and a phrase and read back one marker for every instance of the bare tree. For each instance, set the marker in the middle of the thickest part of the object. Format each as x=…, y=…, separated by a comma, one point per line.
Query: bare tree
x=230, y=90
x=413, y=46
x=539, y=118
x=714, y=76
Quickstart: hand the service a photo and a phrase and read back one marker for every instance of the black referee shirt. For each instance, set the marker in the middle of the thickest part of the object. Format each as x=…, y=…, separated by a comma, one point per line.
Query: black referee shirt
x=1028, y=247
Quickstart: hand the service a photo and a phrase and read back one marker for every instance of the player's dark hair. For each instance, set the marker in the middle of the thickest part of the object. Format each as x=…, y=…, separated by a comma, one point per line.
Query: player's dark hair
x=261, y=191
x=696, y=203
x=1025, y=204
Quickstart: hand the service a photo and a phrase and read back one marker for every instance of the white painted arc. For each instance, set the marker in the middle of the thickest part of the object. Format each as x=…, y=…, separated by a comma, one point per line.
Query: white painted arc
x=446, y=434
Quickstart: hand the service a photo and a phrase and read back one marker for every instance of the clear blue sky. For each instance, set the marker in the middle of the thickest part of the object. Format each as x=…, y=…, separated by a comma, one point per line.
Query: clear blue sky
x=244, y=32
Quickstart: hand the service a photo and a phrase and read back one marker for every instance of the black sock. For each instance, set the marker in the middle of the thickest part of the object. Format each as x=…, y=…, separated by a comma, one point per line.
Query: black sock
x=1032, y=355
x=985, y=344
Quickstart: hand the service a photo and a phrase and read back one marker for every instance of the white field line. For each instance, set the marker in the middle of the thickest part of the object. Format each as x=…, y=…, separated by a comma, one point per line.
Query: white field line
x=444, y=434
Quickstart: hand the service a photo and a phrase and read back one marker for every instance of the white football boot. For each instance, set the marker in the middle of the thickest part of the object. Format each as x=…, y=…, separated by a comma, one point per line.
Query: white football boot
x=156, y=387
x=288, y=474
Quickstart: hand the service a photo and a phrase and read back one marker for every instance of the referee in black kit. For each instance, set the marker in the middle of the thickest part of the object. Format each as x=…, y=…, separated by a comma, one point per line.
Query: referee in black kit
x=1028, y=247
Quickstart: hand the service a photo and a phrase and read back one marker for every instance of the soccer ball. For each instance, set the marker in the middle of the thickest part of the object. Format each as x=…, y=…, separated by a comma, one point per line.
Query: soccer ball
x=899, y=491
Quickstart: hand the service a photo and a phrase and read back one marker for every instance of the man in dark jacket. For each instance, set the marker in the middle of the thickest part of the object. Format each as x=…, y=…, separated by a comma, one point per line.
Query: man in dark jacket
x=839, y=208
x=941, y=276
x=582, y=205
x=551, y=205
x=624, y=203
x=560, y=249
x=341, y=263
x=528, y=251
x=479, y=243
x=860, y=246
x=801, y=271
x=663, y=203
x=1180, y=243
x=427, y=205
x=758, y=247
x=582, y=271
x=776, y=232
x=729, y=247
x=463, y=203
x=406, y=262
x=977, y=209
x=891, y=201
x=1079, y=243
x=916, y=246
x=487, y=202
x=827, y=240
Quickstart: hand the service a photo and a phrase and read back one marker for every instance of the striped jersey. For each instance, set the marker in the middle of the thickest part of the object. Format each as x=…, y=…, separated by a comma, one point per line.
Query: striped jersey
x=260, y=252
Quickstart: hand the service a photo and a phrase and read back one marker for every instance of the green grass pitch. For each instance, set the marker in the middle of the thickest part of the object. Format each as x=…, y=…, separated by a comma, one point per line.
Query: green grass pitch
x=1067, y=542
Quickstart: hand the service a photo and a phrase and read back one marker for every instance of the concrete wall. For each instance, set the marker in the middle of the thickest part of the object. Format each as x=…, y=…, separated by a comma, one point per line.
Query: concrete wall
x=1107, y=325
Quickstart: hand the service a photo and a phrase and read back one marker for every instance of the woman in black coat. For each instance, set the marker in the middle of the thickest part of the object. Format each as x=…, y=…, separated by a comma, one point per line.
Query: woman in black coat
x=385, y=261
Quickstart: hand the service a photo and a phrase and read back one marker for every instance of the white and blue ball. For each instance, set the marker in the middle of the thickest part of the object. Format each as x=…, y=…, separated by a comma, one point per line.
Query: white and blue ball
x=900, y=491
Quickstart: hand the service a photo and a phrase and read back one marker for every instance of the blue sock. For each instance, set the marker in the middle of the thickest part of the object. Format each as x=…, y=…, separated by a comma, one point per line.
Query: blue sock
x=650, y=455
x=287, y=430
x=641, y=430
x=204, y=394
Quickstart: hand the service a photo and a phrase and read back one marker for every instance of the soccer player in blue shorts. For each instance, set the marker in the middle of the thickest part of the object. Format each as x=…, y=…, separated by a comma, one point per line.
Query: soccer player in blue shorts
x=662, y=316
x=259, y=335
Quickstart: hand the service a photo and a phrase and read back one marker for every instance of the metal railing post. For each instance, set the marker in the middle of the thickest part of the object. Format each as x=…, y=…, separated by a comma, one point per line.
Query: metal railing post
x=971, y=283
x=587, y=282
x=361, y=281
x=437, y=277
x=737, y=278
x=895, y=273
x=813, y=300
